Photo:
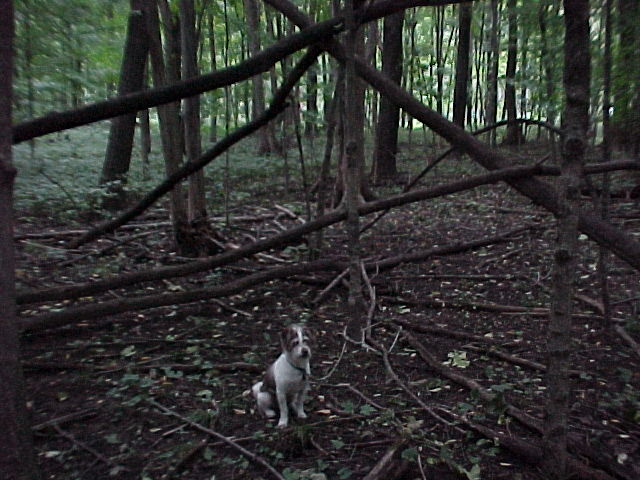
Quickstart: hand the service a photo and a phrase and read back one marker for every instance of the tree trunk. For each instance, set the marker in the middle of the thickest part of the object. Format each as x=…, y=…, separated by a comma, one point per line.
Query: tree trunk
x=547, y=64
x=491, y=99
x=576, y=118
x=386, y=142
x=354, y=125
x=197, y=205
x=17, y=459
x=462, y=64
x=118, y=156
x=266, y=137
x=354, y=116
x=213, y=96
x=513, y=135
x=170, y=132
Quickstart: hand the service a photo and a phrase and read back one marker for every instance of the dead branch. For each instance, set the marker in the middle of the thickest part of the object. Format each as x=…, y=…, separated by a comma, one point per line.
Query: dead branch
x=293, y=234
x=485, y=307
x=260, y=63
x=278, y=104
x=325, y=292
x=92, y=311
x=250, y=455
x=64, y=419
x=390, y=466
x=576, y=445
x=387, y=364
x=87, y=448
x=448, y=333
x=531, y=451
x=619, y=329
x=507, y=357
x=619, y=242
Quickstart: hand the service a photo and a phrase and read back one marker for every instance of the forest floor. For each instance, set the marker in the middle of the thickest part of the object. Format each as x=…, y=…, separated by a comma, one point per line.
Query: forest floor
x=107, y=380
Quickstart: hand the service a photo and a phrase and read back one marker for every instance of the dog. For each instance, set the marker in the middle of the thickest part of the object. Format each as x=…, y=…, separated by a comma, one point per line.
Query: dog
x=286, y=381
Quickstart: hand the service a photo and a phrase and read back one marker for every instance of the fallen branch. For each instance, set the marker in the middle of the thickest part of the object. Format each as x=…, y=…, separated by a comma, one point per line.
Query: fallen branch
x=619, y=329
x=64, y=419
x=105, y=308
x=619, y=242
x=530, y=451
x=390, y=466
x=448, y=333
x=485, y=307
x=278, y=104
x=291, y=235
x=576, y=444
x=250, y=455
x=87, y=448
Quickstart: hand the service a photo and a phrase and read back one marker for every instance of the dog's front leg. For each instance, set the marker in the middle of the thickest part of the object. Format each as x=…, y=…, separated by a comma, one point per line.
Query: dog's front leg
x=284, y=408
x=298, y=404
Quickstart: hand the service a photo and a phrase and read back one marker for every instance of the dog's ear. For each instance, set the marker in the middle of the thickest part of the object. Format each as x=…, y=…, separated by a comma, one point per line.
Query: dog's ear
x=309, y=333
x=286, y=334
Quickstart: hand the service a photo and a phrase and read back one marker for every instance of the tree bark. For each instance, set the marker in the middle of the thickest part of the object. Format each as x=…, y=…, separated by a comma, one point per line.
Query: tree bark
x=576, y=119
x=118, y=156
x=197, y=205
x=513, y=135
x=541, y=193
x=266, y=136
x=491, y=99
x=17, y=459
x=170, y=132
x=460, y=97
x=386, y=142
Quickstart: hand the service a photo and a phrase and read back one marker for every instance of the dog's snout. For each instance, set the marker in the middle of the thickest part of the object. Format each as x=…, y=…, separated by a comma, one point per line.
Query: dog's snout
x=305, y=352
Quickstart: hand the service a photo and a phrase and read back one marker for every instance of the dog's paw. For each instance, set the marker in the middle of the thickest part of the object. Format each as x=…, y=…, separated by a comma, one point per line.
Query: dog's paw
x=282, y=424
x=270, y=413
x=301, y=414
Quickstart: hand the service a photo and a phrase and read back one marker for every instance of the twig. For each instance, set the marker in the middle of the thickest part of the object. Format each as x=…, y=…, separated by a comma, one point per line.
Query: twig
x=359, y=393
x=385, y=358
x=82, y=414
x=335, y=365
x=250, y=455
x=323, y=294
x=87, y=448
x=619, y=329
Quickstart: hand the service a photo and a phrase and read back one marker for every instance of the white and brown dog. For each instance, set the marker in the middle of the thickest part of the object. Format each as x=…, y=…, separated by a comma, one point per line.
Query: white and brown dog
x=286, y=381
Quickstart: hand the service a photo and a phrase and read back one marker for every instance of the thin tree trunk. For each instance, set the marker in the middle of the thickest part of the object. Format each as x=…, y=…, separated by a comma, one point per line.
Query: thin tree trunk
x=513, y=135
x=603, y=254
x=547, y=65
x=462, y=65
x=576, y=119
x=491, y=99
x=197, y=205
x=170, y=132
x=353, y=153
x=252, y=13
x=118, y=156
x=213, y=114
x=17, y=459
x=386, y=142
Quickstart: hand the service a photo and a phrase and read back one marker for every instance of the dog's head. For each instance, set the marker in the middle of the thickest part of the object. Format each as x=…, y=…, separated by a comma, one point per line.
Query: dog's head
x=296, y=343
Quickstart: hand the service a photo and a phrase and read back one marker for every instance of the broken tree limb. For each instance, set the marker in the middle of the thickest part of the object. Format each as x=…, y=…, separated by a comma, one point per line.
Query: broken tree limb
x=293, y=234
x=262, y=62
x=91, y=311
x=577, y=446
x=250, y=455
x=278, y=104
x=541, y=193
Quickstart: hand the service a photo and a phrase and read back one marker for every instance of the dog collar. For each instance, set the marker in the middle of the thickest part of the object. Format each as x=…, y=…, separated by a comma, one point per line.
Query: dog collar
x=301, y=370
